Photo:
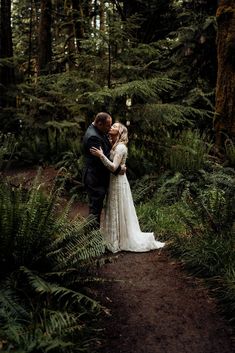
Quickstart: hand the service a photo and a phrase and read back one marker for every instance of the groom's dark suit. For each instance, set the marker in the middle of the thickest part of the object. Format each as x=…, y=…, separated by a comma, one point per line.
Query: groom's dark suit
x=96, y=175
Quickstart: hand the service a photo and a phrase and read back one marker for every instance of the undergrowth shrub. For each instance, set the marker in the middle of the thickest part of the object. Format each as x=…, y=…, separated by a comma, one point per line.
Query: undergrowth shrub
x=46, y=269
x=188, y=152
x=46, y=143
x=197, y=218
x=8, y=145
x=230, y=152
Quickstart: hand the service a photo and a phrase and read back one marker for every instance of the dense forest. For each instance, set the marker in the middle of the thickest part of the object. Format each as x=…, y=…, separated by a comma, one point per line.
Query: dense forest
x=165, y=69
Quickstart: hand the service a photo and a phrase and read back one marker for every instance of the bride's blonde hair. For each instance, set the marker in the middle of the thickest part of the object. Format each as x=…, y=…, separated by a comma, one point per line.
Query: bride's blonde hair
x=122, y=136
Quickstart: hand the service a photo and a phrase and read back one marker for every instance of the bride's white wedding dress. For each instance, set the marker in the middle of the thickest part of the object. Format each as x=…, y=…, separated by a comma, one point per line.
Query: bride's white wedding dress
x=121, y=226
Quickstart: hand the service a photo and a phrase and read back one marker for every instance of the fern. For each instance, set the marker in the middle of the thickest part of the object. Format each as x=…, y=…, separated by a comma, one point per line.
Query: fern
x=144, y=89
x=169, y=114
x=41, y=308
x=67, y=296
x=189, y=152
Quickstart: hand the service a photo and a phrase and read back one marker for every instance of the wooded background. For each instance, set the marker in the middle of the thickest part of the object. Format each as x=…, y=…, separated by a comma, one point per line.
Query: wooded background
x=161, y=65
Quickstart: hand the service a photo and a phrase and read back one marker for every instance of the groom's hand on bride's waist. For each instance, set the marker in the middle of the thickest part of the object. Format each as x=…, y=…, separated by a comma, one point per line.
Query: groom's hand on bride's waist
x=123, y=170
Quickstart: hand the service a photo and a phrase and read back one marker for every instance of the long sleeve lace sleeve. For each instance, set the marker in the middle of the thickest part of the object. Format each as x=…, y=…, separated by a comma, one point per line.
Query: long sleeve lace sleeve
x=118, y=156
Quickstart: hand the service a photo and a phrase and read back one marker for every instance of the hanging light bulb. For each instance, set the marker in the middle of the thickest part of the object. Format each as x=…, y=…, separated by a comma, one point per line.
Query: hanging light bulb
x=128, y=105
x=128, y=102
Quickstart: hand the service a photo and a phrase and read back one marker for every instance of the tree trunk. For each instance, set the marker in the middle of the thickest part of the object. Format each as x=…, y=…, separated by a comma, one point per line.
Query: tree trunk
x=69, y=47
x=7, y=76
x=88, y=14
x=44, y=37
x=87, y=8
x=102, y=16
x=225, y=88
x=78, y=19
x=30, y=38
x=95, y=12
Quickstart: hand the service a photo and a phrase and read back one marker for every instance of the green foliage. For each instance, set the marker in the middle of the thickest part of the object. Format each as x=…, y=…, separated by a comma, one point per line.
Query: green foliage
x=41, y=330
x=45, y=261
x=7, y=148
x=166, y=115
x=188, y=152
x=144, y=188
x=230, y=152
x=72, y=163
x=48, y=143
x=82, y=99
x=208, y=249
x=163, y=220
x=195, y=214
x=154, y=16
x=29, y=224
x=141, y=89
x=150, y=72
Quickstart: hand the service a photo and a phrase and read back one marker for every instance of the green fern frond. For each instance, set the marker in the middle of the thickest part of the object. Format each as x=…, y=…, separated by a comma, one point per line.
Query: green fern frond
x=60, y=323
x=60, y=125
x=169, y=114
x=63, y=294
x=7, y=62
x=144, y=89
x=79, y=248
x=10, y=306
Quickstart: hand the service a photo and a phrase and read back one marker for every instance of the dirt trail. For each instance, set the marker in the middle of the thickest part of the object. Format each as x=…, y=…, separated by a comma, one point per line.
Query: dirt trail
x=155, y=306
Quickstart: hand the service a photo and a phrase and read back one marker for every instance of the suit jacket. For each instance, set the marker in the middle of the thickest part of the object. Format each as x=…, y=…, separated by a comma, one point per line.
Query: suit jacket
x=95, y=173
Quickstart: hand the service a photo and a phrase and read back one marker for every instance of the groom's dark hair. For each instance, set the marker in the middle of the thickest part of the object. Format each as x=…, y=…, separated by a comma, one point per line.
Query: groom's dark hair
x=102, y=117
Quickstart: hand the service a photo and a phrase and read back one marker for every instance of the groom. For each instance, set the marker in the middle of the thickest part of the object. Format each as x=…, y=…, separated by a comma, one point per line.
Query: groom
x=96, y=175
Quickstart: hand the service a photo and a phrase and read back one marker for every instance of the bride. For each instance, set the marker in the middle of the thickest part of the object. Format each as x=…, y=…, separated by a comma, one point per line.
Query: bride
x=121, y=225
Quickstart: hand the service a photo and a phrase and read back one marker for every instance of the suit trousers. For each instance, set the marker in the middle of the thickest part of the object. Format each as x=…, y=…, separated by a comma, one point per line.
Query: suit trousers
x=96, y=186
x=96, y=195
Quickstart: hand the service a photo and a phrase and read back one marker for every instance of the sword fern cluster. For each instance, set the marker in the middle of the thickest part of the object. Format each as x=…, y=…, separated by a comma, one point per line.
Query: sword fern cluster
x=45, y=272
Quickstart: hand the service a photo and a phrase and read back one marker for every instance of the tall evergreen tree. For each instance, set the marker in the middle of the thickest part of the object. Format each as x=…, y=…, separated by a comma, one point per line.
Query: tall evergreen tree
x=78, y=20
x=225, y=88
x=44, y=37
x=7, y=76
x=25, y=23
x=188, y=55
x=197, y=35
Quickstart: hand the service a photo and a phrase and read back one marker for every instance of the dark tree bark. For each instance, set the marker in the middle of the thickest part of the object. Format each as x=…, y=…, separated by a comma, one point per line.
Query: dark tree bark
x=78, y=19
x=102, y=26
x=87, y=8
x=69, y=47
x=30, y=37
x=102, y=15
x=95, y=12
x=225, y=88
x=44, y=37
x=7, y=76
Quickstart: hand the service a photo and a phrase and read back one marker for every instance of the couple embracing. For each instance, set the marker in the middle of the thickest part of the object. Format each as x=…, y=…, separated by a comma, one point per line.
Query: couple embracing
x=105, y=149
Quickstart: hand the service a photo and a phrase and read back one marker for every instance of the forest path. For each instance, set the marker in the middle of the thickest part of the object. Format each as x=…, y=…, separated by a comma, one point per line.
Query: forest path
x=155, y=306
